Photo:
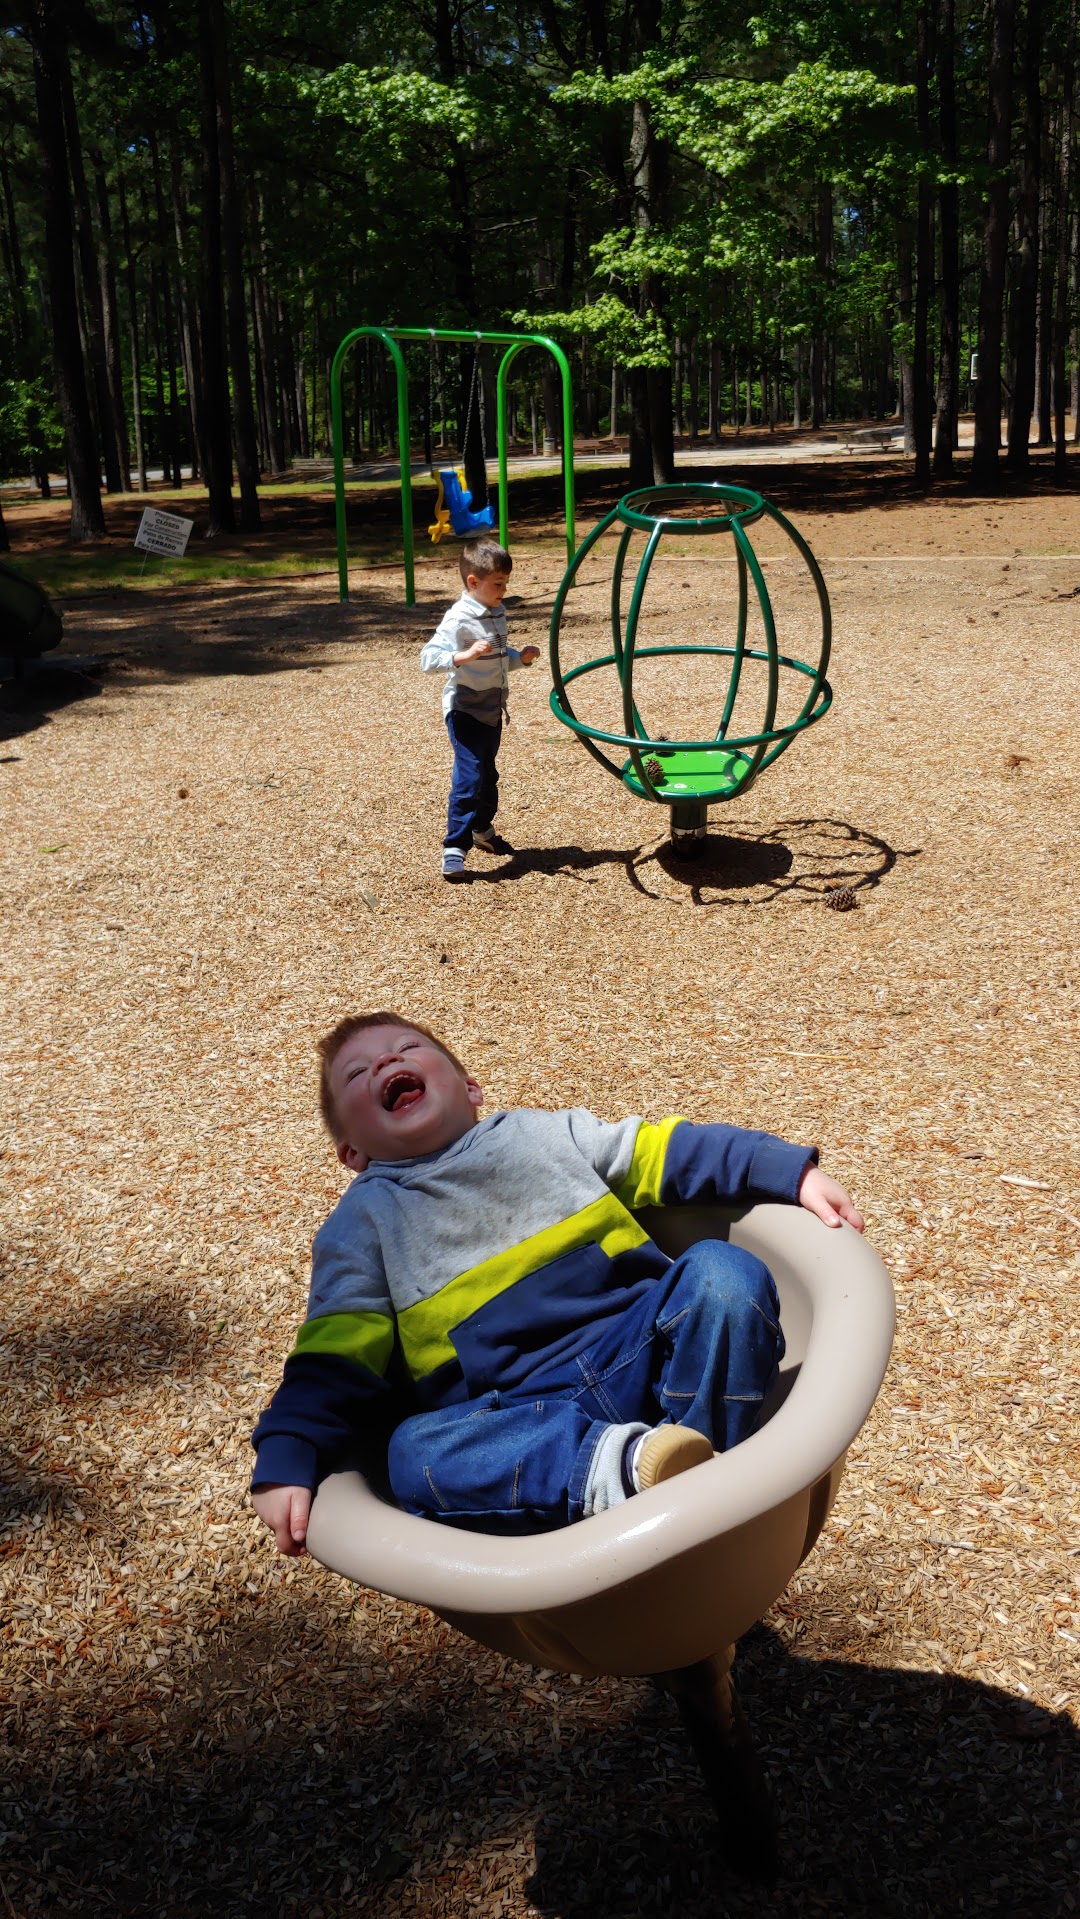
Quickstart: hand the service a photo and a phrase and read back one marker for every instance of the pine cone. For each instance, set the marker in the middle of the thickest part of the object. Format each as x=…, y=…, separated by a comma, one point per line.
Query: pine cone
x=655, y=771
x=841, y=898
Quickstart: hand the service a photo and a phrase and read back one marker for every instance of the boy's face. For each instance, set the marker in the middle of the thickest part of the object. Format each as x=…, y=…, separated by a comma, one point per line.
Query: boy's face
x=398, y=1096
x=488, y=588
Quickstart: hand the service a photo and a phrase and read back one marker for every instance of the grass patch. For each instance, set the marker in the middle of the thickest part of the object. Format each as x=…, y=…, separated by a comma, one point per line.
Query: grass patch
x=296, y=538
x=99, y=570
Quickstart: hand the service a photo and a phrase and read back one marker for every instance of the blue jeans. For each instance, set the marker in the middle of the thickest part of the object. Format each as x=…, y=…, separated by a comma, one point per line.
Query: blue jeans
x=474, y=784
x=700, y=1348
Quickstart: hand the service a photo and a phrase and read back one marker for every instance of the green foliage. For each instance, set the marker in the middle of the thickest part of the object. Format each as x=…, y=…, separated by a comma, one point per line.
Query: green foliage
x=29, y=426
x=468, y=165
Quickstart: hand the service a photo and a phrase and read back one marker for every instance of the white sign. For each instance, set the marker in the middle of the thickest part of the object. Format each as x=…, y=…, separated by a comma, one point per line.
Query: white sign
x=164, y=533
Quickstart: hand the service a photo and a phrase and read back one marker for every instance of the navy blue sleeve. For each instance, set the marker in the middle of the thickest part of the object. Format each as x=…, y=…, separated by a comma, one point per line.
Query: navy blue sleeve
x=323, y=1410
x=729, y=1166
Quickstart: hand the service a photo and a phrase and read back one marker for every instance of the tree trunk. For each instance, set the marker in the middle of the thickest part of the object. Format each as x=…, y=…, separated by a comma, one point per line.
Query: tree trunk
x=111, y=317
x=649, y=171
x=1025, y=296
x=819, y=358
x=190, y=342
x=1074, y=343
x=133, y=336
x=268, y=360
x=12, y=252
x=1044, y=323
x=87, y=519
x=214, y=409
x=924, y=257
x=168, y=335
x=1061, y=288
x=905, y=299
x=164, y=424
x=212, y=13
x=994, y=247
x=640, y=455
x=87, y=255
x=300, y=366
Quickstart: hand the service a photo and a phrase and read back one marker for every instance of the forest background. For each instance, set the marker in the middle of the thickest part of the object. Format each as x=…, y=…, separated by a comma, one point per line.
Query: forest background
x=799, y=214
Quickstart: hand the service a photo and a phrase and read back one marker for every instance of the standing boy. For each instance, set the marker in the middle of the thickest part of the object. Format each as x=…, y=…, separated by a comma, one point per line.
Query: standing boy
x=469, y=646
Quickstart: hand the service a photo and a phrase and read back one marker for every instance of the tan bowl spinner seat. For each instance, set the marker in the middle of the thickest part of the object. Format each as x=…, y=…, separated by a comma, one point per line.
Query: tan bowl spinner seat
x=666, y=1583
x=679, y=1572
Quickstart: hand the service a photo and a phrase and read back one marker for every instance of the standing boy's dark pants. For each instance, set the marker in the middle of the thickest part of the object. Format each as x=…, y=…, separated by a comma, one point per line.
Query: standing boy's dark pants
x=474, y=785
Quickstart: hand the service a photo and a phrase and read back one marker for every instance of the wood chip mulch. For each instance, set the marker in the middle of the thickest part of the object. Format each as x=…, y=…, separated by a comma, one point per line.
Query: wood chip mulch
x=229, y=838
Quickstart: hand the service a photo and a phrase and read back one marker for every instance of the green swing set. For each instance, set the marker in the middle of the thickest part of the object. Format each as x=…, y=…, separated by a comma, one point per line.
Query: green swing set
x=391, y=337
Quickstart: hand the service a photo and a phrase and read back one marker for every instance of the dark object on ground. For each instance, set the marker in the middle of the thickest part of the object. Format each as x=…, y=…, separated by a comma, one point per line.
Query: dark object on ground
x=842, y=898
x=29, y=623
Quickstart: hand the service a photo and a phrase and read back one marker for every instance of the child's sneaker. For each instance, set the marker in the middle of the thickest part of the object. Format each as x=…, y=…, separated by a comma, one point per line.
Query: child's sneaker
x=488, y=841
x=453, y=863
x=668, y=1450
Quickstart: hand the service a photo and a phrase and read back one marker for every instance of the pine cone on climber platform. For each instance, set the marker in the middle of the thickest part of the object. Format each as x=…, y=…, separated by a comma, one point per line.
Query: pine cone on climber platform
x=655, y=771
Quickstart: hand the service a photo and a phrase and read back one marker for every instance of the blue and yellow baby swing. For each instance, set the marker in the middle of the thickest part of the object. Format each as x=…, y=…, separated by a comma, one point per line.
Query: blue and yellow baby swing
x=453, y=502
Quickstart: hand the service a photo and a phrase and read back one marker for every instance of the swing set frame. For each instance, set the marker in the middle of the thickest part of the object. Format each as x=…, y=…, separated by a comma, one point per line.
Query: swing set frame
x=514, y=343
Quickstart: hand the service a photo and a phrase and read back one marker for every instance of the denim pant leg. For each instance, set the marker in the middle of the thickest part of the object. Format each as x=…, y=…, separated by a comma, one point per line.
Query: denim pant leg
x=474, y=783
x=496, y=1465
x=720, y=1343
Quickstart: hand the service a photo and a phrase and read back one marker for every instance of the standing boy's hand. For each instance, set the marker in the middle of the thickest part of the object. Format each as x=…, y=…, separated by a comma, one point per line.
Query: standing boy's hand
x=286, y=1510
x=529, y=654
x=479, y=650
x=827, y=1199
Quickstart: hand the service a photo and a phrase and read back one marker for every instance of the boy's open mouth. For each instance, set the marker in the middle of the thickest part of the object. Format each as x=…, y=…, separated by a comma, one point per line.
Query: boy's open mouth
x=401, y=1091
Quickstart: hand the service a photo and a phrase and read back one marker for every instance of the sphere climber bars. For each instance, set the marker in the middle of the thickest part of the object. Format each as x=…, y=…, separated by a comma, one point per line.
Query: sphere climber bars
x=689, y=775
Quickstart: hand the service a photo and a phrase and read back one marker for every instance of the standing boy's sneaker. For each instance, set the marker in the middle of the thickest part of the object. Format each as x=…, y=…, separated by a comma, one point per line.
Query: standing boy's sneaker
x=488, y=841
x=453, y=863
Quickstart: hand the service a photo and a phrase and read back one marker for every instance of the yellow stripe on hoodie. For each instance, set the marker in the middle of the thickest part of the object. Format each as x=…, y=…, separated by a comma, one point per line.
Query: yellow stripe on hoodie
x=425, y=1328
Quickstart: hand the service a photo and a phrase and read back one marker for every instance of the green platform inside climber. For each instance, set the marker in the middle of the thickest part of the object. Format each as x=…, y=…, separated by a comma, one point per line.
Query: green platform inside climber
x=702, y=773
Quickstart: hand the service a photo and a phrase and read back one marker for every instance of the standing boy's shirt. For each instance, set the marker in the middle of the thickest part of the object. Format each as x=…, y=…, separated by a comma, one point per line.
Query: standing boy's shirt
x=478, y=687
x=491, y=1261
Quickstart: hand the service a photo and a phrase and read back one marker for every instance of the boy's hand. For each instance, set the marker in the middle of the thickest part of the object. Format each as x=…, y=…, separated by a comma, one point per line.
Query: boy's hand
x=479, y=650
x=529, y=654
x=827, y=1199
x=286, y=1510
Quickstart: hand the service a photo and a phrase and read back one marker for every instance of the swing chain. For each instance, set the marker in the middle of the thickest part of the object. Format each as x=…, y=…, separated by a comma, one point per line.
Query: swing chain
x=432, y=353
x=476, y=387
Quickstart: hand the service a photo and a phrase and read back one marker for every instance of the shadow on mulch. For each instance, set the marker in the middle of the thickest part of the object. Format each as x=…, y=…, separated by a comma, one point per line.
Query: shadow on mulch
x=899, y=1793
x=225, y=629
x=802, y=859
x=44, y=689
x=114, y=1353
